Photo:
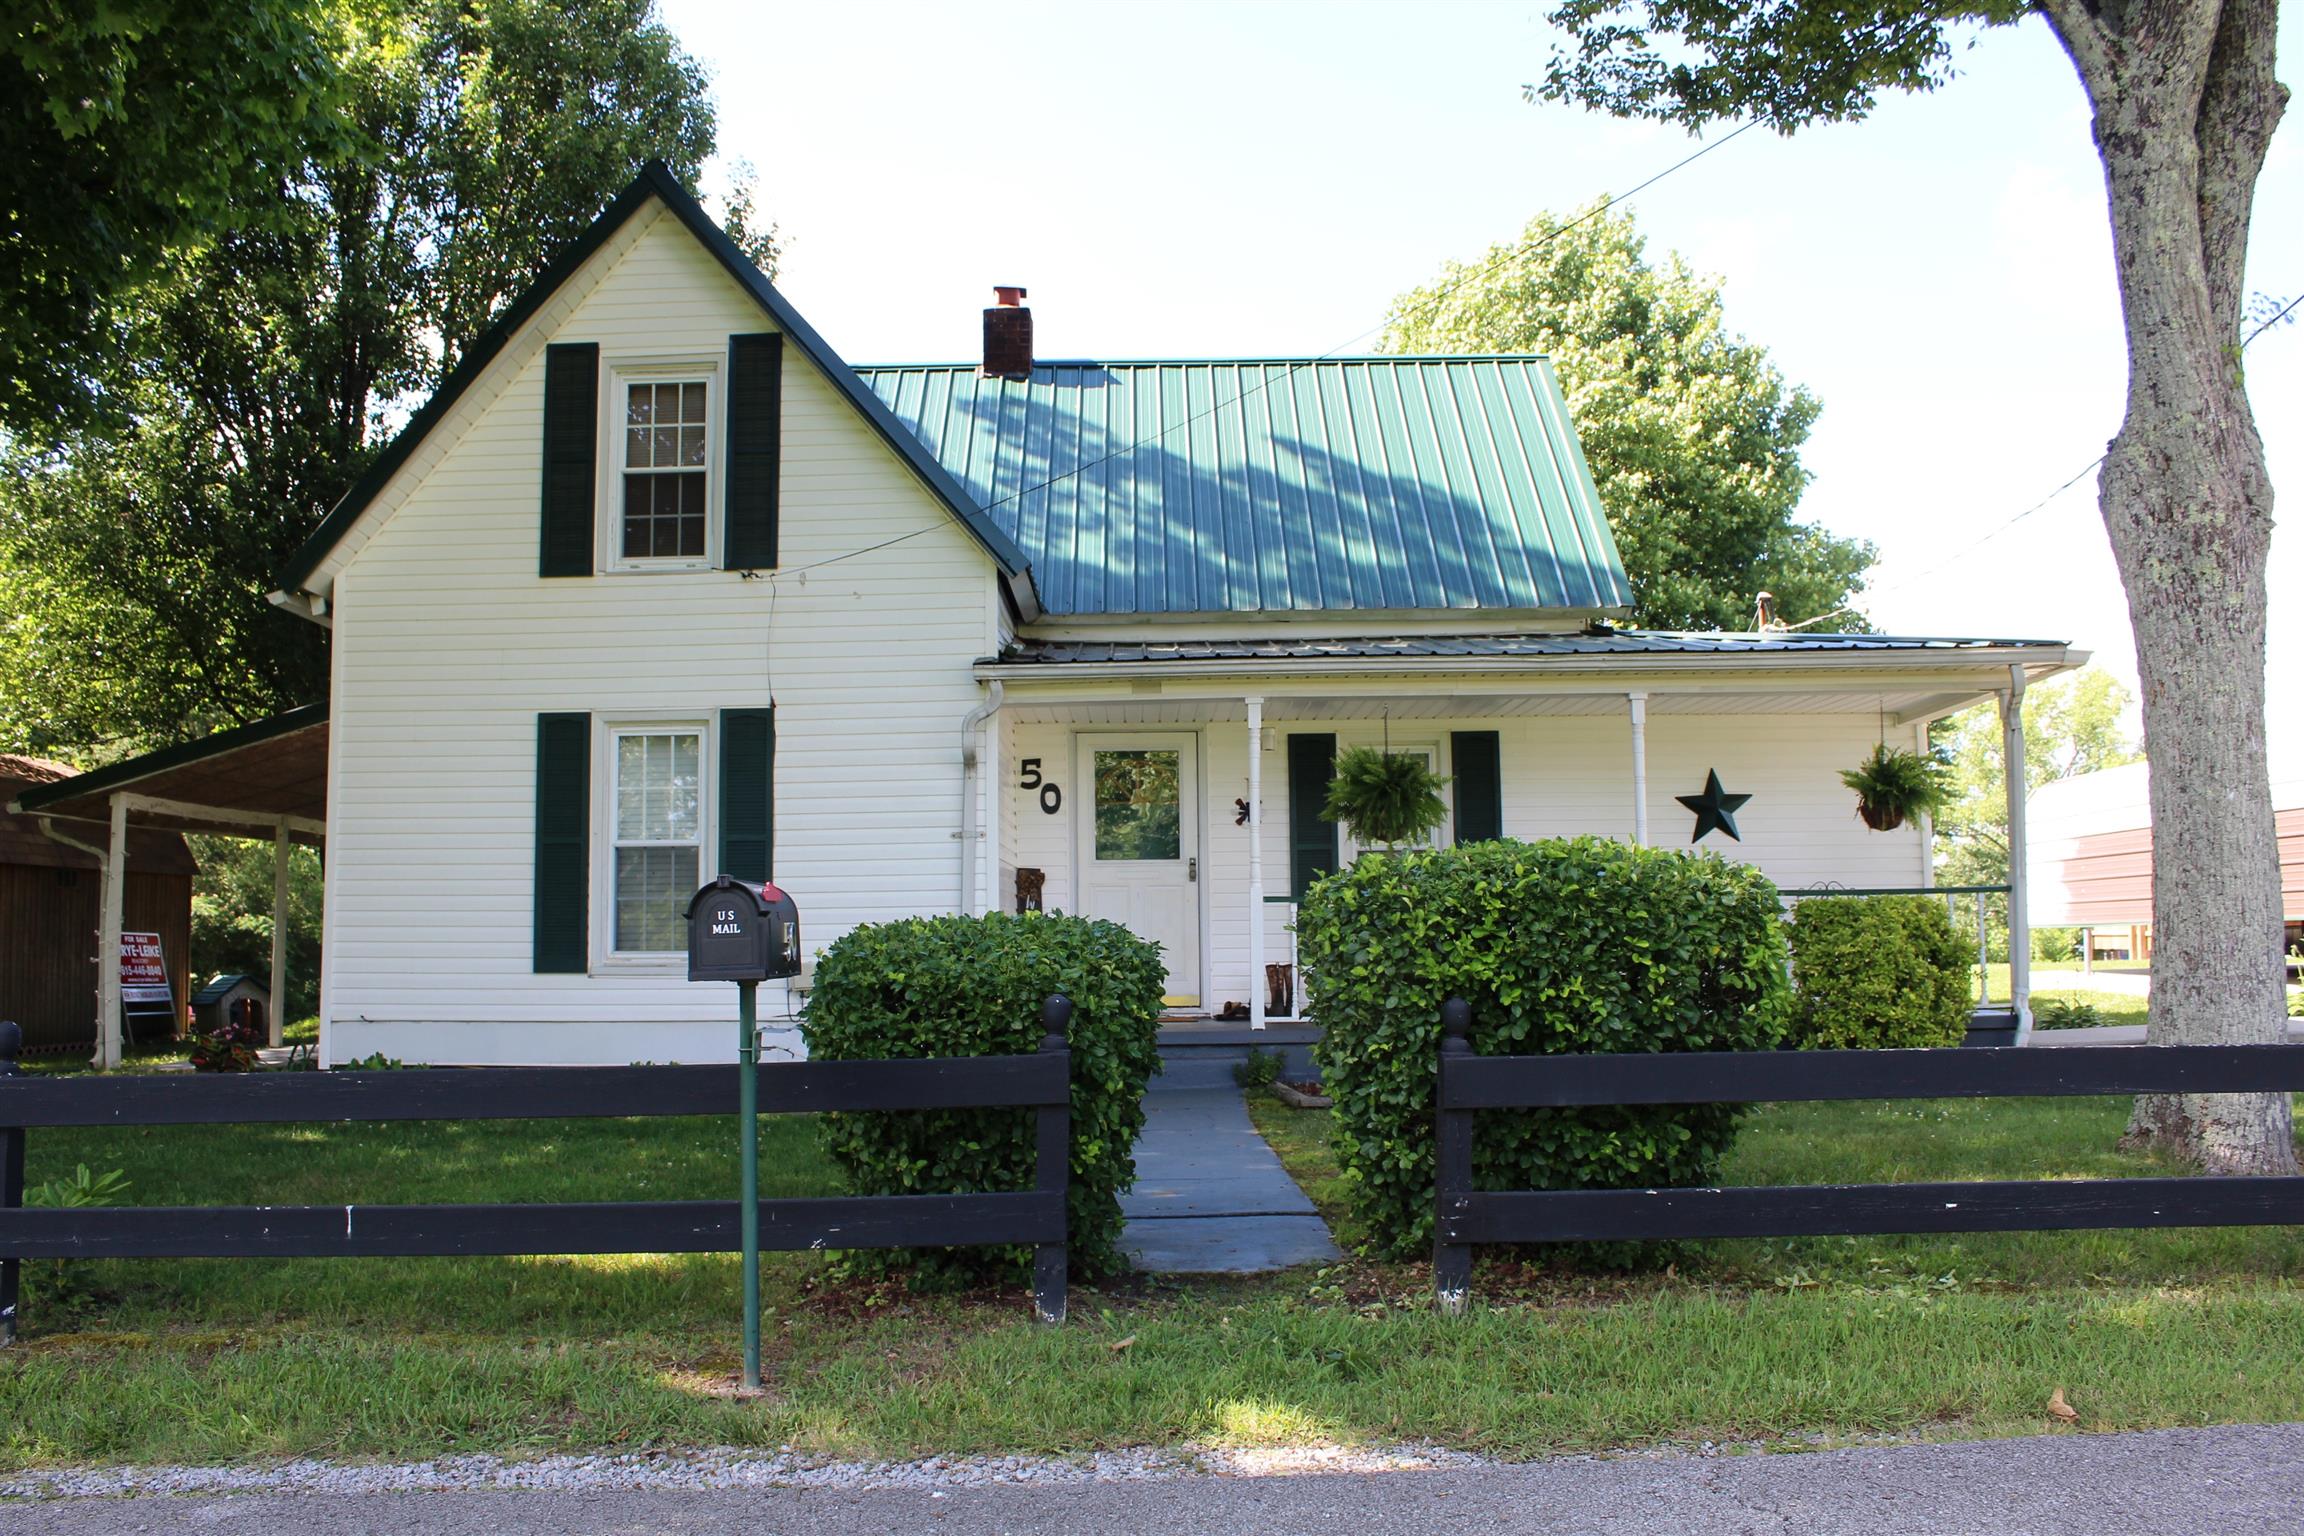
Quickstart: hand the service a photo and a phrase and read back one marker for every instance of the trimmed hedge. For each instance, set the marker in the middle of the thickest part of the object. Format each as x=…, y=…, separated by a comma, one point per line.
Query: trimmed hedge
x=1878, y=971
x=973, y=986
x=1572, y=946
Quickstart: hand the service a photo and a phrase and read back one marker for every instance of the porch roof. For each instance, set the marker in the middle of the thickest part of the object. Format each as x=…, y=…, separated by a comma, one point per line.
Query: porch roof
x=1592, y=642
x=246, y=781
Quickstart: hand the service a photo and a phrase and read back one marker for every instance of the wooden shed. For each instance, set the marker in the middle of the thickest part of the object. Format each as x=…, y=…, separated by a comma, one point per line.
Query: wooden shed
x=50, y=911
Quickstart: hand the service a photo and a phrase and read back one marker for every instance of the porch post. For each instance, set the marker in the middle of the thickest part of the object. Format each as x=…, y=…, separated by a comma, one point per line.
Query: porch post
x=1927, y=819
x=107, y=1054
x=1256, y=863
x=1639, y=707
x=272, y=1013
x=2019, y=915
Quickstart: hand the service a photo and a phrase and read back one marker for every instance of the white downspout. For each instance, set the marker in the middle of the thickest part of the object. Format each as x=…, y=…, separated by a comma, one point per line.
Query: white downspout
x=971, y=727
x=2019, y=911
x=1639, y=707
x=1927, y=822
x=1256, y=985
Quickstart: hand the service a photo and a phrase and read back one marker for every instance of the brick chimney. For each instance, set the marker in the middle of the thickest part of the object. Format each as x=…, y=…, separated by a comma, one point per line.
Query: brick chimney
x=1008, y=335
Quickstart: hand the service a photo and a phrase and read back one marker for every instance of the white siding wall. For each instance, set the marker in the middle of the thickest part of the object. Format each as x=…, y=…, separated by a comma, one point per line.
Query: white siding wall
x=1563, y=776
x=448, y=644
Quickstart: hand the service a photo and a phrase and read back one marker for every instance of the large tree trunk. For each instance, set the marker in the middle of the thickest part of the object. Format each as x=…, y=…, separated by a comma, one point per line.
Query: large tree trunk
x=2185, y=102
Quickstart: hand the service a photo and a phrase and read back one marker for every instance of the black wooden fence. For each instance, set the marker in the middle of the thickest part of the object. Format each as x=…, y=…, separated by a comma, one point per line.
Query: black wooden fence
x=1469, y=1084
x=1041, y=1081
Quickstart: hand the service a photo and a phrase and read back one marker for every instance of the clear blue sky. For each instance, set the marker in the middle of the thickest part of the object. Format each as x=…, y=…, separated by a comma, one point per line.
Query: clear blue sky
x=1260, y=179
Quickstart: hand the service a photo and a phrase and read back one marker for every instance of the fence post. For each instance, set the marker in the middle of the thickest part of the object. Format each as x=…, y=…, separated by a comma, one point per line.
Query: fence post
x=1053, y=1166
x=11, y=1181
x=1451, y=1262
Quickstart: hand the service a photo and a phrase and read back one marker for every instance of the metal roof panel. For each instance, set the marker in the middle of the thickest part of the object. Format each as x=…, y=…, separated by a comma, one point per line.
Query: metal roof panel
x=1283, y=485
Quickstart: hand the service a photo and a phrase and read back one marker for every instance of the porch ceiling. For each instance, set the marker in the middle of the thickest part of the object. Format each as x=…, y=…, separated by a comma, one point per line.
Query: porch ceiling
x=242, y=782
x=1899, y=704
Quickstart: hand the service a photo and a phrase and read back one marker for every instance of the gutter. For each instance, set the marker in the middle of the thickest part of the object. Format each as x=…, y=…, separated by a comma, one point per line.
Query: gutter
x=1218, y=668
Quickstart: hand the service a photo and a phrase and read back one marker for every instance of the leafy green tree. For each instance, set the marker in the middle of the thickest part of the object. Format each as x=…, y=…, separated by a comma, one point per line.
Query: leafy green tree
x=265, y=371
x=232, y=918
x=2073, y=725
x=2185, y=102
x=1692, y=435
x=134, y=129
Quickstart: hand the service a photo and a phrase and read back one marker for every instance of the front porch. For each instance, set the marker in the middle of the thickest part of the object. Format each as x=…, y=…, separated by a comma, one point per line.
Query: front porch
x=1176, y=788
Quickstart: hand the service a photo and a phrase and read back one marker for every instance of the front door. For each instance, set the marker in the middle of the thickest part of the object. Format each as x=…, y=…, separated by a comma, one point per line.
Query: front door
x=1140, y=846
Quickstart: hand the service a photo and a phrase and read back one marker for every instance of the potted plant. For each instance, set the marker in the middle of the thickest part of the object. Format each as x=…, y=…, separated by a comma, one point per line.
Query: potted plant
x=1383, y=798
x=1893, y=784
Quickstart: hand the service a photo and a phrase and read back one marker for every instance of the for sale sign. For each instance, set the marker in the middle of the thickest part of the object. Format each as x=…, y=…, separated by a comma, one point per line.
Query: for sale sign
x=144, y=971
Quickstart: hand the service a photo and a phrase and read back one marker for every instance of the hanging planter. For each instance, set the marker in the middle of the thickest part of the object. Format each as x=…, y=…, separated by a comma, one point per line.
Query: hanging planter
x=1893, y=784
x=1382, y=798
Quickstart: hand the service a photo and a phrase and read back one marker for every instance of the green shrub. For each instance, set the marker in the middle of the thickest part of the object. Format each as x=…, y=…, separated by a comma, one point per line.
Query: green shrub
x=1877, y=971
x=973, y=986
x=1259, y=1069
x=2065, y=1013
x=1583, y=945
x=2054, y=944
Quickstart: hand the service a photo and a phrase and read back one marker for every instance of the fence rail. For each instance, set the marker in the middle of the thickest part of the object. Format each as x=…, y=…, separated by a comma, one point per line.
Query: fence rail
x=1040, y=1082
x=1469, y=1083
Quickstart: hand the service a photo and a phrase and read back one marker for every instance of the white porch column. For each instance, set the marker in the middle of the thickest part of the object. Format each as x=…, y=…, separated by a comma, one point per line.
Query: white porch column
x=1927, y=821
x=1256, y=991
x=2019, y=915
x=1639, y=707
x=107, y=1054
x=272, y=1013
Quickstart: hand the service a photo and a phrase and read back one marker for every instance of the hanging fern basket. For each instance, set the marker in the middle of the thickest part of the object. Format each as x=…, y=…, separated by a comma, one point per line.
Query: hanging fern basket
x=1893, y=785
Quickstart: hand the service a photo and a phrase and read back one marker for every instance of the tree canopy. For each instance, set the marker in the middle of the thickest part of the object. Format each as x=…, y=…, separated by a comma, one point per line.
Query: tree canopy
x=1692, y=434
x=261, y=372
x=132, y=130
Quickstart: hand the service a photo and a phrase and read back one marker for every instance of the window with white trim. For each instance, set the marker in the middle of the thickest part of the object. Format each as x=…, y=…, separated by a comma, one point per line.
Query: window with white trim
x=664, y=433
x=656, y=836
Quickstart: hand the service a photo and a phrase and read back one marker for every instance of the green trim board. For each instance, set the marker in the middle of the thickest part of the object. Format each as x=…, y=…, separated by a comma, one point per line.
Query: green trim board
x=1476, y=762
x=656, y=181
x=129, y=770
x=755, y=450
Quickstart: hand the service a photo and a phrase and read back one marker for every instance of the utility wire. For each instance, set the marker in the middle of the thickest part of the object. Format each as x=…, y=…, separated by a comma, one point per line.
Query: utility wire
x=1517, y=253
x=2086, y=470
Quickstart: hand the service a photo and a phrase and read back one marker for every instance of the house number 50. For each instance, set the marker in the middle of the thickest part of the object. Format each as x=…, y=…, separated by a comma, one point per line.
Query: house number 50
x=1051, y=798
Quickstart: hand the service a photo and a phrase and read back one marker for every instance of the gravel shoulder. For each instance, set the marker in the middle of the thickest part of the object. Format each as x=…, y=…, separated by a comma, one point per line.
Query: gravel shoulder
x=2237, y=1479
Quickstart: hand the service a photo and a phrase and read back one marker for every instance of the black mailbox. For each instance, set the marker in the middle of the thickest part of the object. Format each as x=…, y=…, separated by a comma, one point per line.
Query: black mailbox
x=739, y=931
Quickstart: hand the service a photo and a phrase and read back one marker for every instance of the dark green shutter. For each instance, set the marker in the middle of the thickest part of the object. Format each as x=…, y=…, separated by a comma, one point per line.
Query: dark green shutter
x=755, y=429
x=563, y=842
x=1477, y=760
x=1311, y=840
x=571, y=457
x=747, y=793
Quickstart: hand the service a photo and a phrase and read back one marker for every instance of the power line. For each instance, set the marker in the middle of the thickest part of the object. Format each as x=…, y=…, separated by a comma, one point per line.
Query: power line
x=2086, y=470
x=1515, y=254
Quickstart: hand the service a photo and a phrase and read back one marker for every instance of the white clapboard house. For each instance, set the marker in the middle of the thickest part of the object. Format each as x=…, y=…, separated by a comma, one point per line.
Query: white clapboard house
x=658, y=586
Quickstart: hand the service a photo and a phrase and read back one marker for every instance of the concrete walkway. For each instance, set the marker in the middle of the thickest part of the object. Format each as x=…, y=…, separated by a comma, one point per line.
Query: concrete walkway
x=1210, y=1196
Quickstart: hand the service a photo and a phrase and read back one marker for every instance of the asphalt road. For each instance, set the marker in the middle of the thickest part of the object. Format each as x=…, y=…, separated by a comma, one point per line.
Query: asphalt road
x=2223, y=1481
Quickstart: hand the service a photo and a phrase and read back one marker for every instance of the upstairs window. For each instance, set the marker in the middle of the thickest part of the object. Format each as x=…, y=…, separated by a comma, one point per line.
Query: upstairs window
x=665, y=466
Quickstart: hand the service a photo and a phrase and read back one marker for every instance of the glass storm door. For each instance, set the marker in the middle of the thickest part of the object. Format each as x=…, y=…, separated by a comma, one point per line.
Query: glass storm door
x=1140, y=846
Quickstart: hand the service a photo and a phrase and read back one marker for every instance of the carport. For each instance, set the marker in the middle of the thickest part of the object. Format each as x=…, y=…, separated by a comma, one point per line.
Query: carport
x=267, y=780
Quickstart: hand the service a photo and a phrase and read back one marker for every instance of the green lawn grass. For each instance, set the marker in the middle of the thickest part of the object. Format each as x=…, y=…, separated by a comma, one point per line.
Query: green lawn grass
x=216, y=1359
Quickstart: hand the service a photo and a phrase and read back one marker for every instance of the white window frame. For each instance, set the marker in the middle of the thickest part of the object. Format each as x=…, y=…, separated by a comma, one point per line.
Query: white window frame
x=1435, y=757
x=612, y=729
x=618, y=375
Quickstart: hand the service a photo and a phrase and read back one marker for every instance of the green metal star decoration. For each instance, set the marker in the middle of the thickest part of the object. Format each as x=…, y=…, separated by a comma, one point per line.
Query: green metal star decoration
x=1714, y=808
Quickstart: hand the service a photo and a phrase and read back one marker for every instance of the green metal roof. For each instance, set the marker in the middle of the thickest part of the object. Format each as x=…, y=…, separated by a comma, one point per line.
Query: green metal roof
x=1276, y=486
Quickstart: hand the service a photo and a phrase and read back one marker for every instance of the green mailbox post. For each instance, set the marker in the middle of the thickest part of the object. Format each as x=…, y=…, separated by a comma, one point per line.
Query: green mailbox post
x=746, y=933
